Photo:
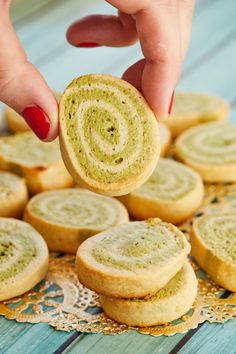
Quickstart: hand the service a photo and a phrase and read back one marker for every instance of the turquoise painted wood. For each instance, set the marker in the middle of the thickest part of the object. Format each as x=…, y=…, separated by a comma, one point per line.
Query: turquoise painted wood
x=127, y=343
x=209, y=66
x=214, y=339
x=26, y=338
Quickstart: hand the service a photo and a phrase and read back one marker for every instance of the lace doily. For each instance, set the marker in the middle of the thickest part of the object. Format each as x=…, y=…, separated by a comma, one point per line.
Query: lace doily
x=62, y=302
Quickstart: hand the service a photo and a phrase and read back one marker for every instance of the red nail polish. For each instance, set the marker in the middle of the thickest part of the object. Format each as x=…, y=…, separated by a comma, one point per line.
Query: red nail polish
x=88, y=45
x=171, y=102
x=37, y=120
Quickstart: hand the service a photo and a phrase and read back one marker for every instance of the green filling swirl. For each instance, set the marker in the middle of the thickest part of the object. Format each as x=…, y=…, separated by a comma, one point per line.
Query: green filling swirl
x=204, y=106
x=169, y=290
x=169, y=181
x=219, y=234
x=12, y=242
x=209, y=144
x=8, y=185
x=26, y=149
x=141, y=245
x=74, y=208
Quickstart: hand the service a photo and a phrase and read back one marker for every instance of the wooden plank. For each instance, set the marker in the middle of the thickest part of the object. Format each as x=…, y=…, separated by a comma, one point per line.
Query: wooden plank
x=116, y=61
x=216, y=75
x=47, y=32
x=25, y=9
x=26, y=338
x=213, y=338
x=214, y=24
x=127, y=343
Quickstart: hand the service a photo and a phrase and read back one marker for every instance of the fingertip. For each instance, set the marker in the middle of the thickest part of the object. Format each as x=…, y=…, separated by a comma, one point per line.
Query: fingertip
x=105, y=30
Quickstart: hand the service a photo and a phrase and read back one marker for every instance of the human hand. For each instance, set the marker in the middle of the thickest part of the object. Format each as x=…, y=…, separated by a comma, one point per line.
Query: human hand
x=21, y=85
x=163, y=28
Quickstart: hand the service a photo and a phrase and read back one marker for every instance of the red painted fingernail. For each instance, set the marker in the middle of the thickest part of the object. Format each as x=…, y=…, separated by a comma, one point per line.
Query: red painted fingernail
x=171, y=102
x=37, y=120
x=88, y=45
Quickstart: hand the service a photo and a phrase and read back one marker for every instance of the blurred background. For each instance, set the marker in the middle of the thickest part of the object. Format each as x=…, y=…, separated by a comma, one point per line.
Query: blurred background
x=209, y=66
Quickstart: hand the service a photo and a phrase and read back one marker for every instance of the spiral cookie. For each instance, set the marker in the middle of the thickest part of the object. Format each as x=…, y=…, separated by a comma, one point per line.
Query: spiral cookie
x=13, y=195
x=67, y=217
x=193, y=108
x=213, y=243
x=165, y=137
x=132, y=260
x=24, y=258
x=38, y=162
x=172, y=193
x=15, y=122
x=109, y=136
x=168, y=304
x=211, y=150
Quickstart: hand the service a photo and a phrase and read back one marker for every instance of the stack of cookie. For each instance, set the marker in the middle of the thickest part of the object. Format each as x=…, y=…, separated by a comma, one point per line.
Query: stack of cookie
x=140, y=271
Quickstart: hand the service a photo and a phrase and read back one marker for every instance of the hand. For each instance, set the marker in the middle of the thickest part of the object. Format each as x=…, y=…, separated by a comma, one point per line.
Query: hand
x=163, y=28
x=21, y=85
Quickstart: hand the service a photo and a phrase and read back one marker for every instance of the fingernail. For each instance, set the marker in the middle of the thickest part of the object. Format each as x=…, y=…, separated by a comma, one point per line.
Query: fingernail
x=88, y=45
x=171, y=102
x=37, y=120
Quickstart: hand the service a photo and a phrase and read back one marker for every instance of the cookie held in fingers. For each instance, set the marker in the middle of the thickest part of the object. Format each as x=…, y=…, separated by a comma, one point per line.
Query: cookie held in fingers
x=168, y=304
x=109, y=136
x=24, y=258
x=173, y=193
x=210, y=149
x=132, y=260
x=65, y=218
x=213, y=241
x=39, y=163
x=13, y=195
x=193, y=108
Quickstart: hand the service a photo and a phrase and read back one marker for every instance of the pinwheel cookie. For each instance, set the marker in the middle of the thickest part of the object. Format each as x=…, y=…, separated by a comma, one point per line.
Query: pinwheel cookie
x=38, y=162
x=132, y=260
x=15, y=122
x=173, y=193
x=193, y=108
x=165, y=137
x=109, y=136
x=13, y=195
x=213, y=242
x=166, y=305
x=67, y=217
x=211, y=150
x=24, y=258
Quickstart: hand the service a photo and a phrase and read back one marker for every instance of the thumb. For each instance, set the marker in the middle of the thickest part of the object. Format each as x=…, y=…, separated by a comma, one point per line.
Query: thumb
x=21, y=85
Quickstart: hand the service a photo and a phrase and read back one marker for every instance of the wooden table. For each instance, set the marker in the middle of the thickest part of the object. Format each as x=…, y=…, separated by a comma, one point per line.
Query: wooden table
x=210, y=66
